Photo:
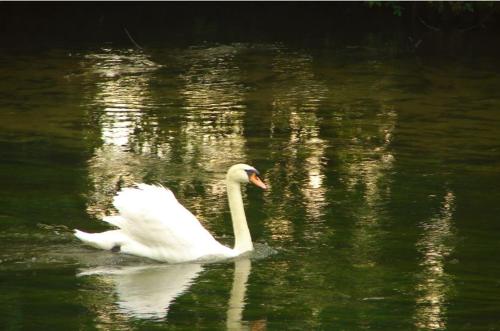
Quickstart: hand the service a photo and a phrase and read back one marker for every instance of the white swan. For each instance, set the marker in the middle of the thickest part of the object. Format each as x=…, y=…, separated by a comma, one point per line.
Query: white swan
x=153, y=224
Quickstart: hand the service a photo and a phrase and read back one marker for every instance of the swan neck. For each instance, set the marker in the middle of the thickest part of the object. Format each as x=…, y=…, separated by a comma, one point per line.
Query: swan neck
x=242, y=238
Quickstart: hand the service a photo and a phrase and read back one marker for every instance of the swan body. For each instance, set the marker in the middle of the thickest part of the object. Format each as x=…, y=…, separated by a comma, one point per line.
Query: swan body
x=152, y=223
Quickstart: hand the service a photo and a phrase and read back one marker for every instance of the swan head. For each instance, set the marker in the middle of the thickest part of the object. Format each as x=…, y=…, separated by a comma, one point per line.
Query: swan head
x=243, y=173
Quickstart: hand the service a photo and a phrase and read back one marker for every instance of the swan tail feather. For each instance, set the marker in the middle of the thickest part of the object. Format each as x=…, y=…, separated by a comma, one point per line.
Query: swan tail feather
x=104, y=240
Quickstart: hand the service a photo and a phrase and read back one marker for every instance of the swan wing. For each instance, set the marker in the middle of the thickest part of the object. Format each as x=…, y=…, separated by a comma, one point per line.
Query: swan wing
x=151, y=216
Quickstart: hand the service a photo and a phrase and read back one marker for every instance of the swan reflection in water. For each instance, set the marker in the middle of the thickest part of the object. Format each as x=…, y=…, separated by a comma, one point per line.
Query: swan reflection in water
x=147, y=291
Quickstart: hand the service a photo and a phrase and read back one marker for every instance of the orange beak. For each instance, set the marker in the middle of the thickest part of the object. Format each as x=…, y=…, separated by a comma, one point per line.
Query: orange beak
x=257, y=181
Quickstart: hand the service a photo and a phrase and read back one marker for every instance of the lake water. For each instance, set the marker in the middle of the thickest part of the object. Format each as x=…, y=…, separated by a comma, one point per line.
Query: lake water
x=382, y=211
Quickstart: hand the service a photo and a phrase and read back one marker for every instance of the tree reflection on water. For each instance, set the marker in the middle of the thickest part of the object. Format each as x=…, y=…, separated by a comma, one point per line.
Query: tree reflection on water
x=296, y=145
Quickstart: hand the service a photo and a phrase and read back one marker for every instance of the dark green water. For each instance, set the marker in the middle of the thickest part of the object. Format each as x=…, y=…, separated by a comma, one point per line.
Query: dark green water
x=382, y=209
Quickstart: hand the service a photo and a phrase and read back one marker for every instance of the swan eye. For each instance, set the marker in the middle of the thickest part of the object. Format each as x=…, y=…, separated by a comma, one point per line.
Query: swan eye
x=250, y=172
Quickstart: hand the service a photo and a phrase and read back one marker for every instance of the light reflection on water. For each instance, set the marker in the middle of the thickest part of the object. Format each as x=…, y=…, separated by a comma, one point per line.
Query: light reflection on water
x=365, y=128
x=212, y=129
x=210, y=133
x=297, y=95
x=119, y=100
x=435, y=284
